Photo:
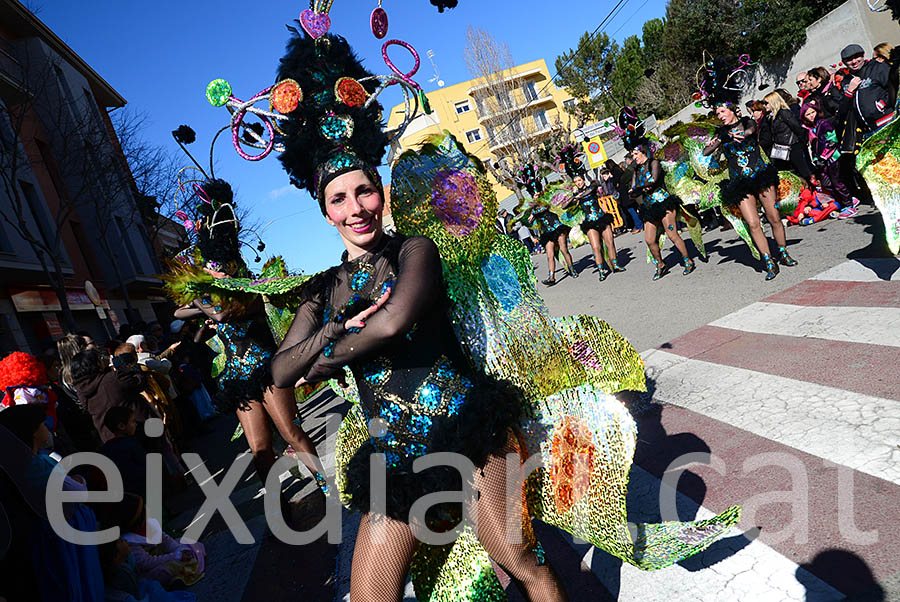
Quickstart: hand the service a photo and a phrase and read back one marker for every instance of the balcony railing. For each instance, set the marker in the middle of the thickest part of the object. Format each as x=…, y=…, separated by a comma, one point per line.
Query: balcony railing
x=490, y=114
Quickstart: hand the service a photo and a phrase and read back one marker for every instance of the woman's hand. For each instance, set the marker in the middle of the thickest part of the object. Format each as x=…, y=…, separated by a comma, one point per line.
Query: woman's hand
x=359, y=320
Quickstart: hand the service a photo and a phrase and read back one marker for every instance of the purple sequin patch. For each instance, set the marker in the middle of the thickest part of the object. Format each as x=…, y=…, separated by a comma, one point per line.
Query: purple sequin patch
x=457, y=202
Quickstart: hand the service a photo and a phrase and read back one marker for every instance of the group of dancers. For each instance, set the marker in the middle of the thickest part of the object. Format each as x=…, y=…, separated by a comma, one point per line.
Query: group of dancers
x=752, y=182
x=423, y=385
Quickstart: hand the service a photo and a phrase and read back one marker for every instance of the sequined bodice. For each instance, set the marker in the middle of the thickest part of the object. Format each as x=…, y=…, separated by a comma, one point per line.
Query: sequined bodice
x=546, y=221
x=644, y=177
x=744, y=158
x=248, y=345
x=422, y=374
x=589, y=202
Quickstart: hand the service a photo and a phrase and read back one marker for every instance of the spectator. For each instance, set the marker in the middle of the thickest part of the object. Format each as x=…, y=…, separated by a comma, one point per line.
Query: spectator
x=160, y=391
x=123, y=583
x=789, y=148
x=68, y=347
x=503, y=222
x=623, y=176
x=882, y=52
x=825, y=153
x=155, y=330
x=803, y=85
x=867, y=98
x=144, y=346
x=67, y=571
x=75, y=431
x=760, y=112
x=823, y=90
x=792, y=103
x=525, y=236
x=100, y=387
x=124, y=450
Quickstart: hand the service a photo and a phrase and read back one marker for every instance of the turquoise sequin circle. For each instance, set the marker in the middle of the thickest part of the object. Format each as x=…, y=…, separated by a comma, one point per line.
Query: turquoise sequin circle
x=502, y=281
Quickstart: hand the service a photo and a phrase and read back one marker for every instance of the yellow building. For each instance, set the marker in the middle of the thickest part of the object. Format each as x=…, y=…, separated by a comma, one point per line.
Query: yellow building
x=490, y=118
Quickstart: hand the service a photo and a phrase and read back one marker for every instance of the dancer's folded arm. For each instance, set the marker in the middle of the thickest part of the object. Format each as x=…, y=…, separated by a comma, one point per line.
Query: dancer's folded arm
x=416, y=292
x=304, y=342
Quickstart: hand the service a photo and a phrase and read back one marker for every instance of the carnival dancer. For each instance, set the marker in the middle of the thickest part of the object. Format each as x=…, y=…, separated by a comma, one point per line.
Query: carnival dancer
x=752, y=180
x=597, y=225
x=238, y=320
x=659, y=210
x=554, y=235
x=383, y=313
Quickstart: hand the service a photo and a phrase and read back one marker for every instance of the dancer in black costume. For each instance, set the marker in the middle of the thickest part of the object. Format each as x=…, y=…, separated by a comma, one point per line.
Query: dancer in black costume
x=659, y=208
x=597, y=226
x=382, y=312
x=554, y=235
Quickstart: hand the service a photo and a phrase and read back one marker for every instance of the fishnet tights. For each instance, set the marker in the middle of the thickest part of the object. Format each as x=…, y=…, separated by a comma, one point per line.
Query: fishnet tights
x=380, y=567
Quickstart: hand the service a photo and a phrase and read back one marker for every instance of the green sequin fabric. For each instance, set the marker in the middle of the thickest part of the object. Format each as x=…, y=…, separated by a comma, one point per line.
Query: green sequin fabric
x=879, y=163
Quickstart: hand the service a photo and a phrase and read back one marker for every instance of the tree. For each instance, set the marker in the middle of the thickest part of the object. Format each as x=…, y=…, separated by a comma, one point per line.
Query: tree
x=502, y=105
x=585, y=73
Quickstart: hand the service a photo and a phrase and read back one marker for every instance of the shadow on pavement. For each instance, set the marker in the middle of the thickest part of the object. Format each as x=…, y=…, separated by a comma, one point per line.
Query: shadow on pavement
x=846, y=571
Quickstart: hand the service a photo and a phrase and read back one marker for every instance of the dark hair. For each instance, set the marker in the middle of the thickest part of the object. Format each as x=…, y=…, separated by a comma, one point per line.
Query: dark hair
x=85, y=364
x=758, y=105
x=788, y=99
x=115, y=416
x=23, y=420
x=820, y=73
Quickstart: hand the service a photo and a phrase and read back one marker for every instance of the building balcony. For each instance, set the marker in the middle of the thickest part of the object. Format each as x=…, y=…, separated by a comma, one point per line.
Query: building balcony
x=508, y=78
x=491, y=115
x=508, y=138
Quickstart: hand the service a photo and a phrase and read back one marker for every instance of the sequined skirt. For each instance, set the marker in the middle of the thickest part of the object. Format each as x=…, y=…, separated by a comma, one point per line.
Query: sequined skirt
x=654, y=212
x=736, y=189
x=553, y=235
x=597, y=224
x=480, y=427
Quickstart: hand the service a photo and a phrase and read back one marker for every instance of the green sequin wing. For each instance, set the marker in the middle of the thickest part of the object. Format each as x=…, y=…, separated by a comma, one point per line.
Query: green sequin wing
x=879, y=163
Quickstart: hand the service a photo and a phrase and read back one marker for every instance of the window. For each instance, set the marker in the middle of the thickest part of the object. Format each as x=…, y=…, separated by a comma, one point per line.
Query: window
x=530, y=91
x=128, y=246
x=540, y=120
x=473, y=135
x=37, y=211
x=569, y=104
x=462, y=107
x=490, y=132
x=64, y=85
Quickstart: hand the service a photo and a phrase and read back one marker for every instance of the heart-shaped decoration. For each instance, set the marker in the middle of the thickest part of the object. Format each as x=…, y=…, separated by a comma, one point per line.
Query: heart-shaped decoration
x=315, y=24
x=350, y=92
x=286, y=96
x=379, y=23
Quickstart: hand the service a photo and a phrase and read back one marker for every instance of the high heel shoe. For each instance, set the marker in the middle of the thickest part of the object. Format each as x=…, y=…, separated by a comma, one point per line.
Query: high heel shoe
x=660, y=269
x=604, y=273
x=570, y=270
x=688, y=266
x=550, y=281
x=616, y=267
x=784, y=258
x=771, y=267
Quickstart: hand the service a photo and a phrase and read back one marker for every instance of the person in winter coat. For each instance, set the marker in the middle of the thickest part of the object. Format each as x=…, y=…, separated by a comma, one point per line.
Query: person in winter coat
x=102, y=387
x=825, y=155
x=866, y=106
x=763, y=118
x=789, y=149
x=823, y=91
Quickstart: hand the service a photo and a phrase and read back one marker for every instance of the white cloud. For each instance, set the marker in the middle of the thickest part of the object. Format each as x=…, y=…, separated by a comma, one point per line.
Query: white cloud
x=288, y=190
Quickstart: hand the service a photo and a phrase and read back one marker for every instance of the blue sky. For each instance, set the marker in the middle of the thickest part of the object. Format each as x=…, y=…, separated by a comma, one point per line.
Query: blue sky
x=161, y=55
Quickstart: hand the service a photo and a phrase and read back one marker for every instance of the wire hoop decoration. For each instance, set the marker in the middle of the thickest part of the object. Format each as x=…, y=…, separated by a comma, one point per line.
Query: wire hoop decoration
x=239, y=130
x=878, y=6
x=407, y=77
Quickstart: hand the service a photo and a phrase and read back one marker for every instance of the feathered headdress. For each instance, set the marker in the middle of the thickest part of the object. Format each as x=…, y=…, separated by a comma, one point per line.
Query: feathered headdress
x=336, y=129
x=720, y=80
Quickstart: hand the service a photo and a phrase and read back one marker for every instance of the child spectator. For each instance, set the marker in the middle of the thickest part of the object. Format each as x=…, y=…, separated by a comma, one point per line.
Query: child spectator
x=124, y=450
x=123, y=583
x=812, y=208
x=823, y=143
x=169, y=562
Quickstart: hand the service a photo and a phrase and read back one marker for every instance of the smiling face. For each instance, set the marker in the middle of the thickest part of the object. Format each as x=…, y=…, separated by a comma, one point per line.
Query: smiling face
x=579, y=182
x=855, y=63
x=354, y=206
x=638, y=155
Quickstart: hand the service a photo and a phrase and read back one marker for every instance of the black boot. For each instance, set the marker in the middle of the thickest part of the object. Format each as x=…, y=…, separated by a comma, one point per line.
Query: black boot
x=784, y=258
x=771, y=267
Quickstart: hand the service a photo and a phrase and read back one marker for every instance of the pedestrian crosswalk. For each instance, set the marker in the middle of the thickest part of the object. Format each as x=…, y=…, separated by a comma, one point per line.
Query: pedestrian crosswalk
x=793, y=404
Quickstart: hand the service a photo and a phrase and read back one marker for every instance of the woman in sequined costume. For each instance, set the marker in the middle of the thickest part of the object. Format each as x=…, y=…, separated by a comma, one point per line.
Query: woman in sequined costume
x=383, y=313
x=245, y=382
x=659, y=208
x=597, y=226
x=554, y=235
x=751, y=181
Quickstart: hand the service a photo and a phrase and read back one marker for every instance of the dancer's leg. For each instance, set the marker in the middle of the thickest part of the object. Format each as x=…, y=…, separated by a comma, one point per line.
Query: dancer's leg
x=594, y=239
x=650, y=230
x=258, y=432
x=609, y=241
x=380, y=566
x=282, y=408
x=550, y=248
x=751, y=216
x=767, y=198
x=537, y=581
x=564, y=249
x=671, y=227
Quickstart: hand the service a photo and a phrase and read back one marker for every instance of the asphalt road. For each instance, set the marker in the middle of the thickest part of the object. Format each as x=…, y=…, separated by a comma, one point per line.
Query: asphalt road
x=650, y=313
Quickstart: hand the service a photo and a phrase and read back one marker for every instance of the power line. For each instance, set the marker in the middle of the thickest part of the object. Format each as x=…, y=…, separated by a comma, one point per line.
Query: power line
x=608, y=18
